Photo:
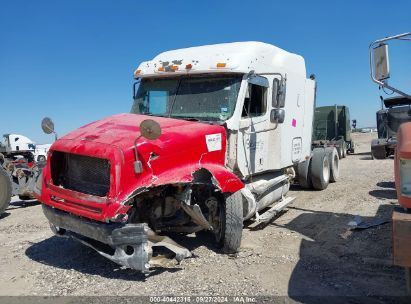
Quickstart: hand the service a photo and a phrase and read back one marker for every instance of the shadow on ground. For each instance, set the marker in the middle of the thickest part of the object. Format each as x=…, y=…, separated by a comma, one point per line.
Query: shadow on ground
x=384, y=194
x=336, y=261
x=67, y=253
x=4, y=215
x=23, y=204
x=386, y=185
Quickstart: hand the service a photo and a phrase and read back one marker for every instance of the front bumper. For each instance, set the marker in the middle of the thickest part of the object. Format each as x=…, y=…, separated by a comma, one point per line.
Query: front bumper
x=131, y=244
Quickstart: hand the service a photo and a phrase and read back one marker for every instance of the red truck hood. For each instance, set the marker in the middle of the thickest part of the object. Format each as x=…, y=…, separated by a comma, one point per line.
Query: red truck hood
x=121, y=130
x=183, y=148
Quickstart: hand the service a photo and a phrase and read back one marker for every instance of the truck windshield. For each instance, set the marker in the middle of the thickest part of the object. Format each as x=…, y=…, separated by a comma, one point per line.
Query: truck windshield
x=199, y=98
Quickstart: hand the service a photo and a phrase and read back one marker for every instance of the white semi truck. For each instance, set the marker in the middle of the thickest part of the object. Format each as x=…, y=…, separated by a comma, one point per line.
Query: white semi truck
x=215, y=136
x=20, y=160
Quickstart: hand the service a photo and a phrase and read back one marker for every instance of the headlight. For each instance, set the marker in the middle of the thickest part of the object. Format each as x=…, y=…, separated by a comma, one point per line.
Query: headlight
x=405, y=176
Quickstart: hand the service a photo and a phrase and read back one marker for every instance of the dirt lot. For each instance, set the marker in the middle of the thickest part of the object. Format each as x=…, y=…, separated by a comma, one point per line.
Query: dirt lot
x=308, y=250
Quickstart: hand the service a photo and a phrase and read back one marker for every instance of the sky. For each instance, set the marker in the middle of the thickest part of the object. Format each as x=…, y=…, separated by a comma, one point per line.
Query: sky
x=73, y=60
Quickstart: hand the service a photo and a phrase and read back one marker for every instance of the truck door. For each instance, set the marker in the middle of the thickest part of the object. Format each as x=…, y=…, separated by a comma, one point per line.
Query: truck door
x=252, y=136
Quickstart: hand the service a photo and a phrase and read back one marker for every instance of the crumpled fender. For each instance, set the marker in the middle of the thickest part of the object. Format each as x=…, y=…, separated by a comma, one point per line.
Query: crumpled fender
x=223, y=179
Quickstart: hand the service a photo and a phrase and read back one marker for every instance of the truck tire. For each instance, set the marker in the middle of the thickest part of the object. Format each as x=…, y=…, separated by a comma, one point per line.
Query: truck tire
x=320, y=169
x=339, y=151
x=352, y=147
x=334, y=161
x=5, y=190
x=304, y=175
x=378, y=150
x=232, y=223
x=41, y=158
x=407, y=271
x=344, y=149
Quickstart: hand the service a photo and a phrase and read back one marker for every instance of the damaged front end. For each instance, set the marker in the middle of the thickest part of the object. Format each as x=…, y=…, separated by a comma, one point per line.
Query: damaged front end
x=130, y=245
x=122, y=196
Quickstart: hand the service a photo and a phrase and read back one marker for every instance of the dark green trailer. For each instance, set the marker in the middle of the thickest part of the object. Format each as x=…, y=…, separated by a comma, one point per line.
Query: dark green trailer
x=332, y=127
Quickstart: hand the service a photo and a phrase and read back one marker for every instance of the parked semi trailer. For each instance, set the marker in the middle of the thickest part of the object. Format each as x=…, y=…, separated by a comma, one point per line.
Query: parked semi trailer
x=401, y=217
x=215, y=136
x=332, y=127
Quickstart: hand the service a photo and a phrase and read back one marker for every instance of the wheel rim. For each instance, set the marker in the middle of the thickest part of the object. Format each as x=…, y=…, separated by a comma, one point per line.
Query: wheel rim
x=216, y=217
x=326, y=169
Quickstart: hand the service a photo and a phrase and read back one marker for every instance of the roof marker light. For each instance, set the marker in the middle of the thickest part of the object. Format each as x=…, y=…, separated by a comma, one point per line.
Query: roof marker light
x=137, y=72
x=174, y=67
x=189, y=66
x=221, y=65
x=161, y=69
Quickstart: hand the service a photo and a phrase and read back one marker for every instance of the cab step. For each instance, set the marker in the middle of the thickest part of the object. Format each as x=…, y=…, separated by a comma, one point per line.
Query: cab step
x=274, y=210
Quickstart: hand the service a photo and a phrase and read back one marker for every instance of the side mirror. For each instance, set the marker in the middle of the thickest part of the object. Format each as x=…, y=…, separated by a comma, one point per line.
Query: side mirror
x=381, y=62
x=278, y=94
x=277, y=115
x=48, y=126
x=149, y=129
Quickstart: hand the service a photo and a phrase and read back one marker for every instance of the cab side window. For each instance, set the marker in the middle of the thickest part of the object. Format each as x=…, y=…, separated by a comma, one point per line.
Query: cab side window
x=255, y=103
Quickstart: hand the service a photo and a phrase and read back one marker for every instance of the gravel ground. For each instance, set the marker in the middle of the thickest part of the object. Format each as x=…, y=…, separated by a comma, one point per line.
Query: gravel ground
x=308, y=250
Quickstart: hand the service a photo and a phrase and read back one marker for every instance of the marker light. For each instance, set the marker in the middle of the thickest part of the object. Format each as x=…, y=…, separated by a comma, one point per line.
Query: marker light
x=138, y=72
x=189, y=66
x=161, y=69
x=221, y=65
x=174, y=67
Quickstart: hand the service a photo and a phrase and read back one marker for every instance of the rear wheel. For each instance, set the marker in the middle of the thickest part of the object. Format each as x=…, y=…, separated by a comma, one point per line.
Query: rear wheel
x=334, y=162
x=378, y=151
x=320, y=169
x=304, y=175
x=41, y=158
x=5, y=190
x=344, y=149
x=230, y=230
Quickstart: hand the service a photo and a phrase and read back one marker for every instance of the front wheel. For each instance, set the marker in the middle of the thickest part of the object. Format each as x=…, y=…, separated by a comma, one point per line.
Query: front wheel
x=230, y=229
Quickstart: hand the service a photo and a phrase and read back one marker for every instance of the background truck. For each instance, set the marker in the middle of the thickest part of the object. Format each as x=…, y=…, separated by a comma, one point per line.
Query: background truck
x=215, y=136
x=332, y=127
x=21, y=161
x=401, y=217
x=397, y=111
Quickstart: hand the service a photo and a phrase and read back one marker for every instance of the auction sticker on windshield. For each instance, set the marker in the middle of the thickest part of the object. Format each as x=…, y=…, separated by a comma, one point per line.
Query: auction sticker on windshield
x=213, y=142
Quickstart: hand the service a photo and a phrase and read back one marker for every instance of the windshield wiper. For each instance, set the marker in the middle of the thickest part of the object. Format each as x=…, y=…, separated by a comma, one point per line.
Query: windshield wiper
x=151, y=114
x=187, y=118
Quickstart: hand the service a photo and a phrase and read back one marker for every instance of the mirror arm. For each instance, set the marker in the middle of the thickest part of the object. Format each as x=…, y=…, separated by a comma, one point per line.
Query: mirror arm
x=138, y=168
x=371, y=48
